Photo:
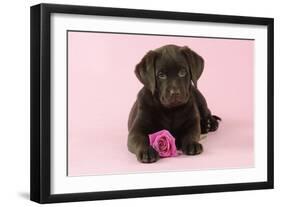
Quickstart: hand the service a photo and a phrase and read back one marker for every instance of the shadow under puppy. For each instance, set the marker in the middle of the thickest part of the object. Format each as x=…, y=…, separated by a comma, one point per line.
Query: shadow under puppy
x=169, y=100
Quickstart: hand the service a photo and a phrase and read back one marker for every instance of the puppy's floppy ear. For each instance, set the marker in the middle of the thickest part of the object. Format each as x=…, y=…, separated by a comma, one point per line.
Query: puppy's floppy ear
x=145, y=70
x=196, y=64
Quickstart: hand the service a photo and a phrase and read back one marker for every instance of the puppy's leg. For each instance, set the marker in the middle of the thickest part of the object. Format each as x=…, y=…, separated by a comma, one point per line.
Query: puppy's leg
x=138, y=140
x=190, y=144
x=139, y=145
x=191, y=135
x=208, y=121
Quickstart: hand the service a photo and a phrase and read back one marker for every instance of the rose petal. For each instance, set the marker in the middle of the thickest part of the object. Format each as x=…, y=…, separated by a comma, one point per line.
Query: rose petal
x=153, y=136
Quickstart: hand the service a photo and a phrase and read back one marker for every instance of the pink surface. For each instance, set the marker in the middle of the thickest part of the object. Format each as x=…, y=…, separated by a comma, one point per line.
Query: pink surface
x=102, y=88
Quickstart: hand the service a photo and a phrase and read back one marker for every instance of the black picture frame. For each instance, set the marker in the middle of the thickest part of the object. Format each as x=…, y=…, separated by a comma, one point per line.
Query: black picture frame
x=40, y=176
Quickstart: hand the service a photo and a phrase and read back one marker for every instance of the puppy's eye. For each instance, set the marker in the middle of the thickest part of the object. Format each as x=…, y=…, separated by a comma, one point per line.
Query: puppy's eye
x=162, y=75
x=182, y=73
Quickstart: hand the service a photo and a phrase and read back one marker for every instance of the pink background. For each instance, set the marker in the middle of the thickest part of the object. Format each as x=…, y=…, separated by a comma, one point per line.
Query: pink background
x=102, y=88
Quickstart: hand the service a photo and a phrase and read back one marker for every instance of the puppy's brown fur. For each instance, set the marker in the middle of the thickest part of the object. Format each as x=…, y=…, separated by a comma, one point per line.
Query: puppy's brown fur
x=169, y=100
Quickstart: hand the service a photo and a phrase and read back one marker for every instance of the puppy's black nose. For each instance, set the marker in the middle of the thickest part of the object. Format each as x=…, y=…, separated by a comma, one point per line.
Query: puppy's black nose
x=174, y=92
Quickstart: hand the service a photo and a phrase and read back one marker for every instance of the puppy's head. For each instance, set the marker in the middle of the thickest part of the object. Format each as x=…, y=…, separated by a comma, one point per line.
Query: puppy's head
x=168, y=73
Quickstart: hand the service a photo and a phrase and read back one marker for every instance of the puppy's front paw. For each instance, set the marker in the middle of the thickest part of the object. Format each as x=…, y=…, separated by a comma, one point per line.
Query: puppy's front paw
x=147, y=155
x=193, y=148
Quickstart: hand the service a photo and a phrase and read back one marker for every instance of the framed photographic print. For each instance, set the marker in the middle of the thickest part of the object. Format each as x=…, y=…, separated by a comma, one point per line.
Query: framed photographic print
x=133, y=103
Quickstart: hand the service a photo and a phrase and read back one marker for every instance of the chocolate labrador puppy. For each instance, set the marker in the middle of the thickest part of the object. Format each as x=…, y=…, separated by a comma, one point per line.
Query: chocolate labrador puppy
x=169, y=100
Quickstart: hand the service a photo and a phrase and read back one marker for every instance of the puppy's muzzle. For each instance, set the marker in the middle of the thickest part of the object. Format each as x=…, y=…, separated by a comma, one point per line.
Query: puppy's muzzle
x=174, y=98
x=174, y=95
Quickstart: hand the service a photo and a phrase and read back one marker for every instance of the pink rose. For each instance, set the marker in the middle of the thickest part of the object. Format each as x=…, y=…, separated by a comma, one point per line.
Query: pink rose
x=164, y=143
